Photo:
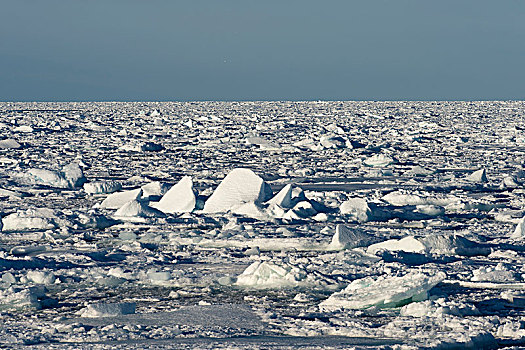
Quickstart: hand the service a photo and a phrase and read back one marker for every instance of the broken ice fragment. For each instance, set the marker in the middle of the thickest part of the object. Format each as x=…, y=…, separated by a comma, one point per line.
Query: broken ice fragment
x=383, y=291
x=345, y=237
x=99, y=187
x=179, y=199
x=108, y=310
x=357, y=209
x=378, y=160
x=118, y=199
x=479, y=176
x=9, y=144
x=135, y=208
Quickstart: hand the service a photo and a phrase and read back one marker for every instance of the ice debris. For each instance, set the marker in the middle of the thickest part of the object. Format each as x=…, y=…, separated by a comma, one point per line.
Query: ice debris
x=383, y=291
x=9, y=144
x=134, y=208
x=357, y=209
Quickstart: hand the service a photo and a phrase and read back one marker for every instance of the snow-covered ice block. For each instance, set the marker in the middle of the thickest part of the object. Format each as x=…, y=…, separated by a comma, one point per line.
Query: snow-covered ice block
x=99, y=187
x=118, y=199
x=406, y=244
x=269, y=275
x=9, y=144
x=238, y=187
x=16, y=298
x=345, y=237
x=383, y=291
x=154, y=189
x=357, y=209
x=499, y=273
x=179, y=199
x=70, y=176
x=378, y=160
x=108, y=310
x=453, y=244
x=479, y=176
x=438, y=308
x=519, y=231
x=134, y=208
x=41, y=277
x=284, y=198
x=29, y=220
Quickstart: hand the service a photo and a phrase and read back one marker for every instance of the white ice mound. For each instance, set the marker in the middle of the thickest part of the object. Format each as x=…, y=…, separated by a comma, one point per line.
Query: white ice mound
x=154, y=190
x=357, y=209
x=29, y=220
x=179, y=199
x=108, y=310
x=283, y=198
x=134, y=208
x=479, y=176
x=438, y=308
x=345, y=237
x=378, y=160
x=269, y=275
x=16, y=298
x=407, y=244
x=238, y=187
x=98, y=187
x=118, y=199
x=383, y=291
x=9, y=144
x=401, y=198
x=448, y=244
x=71, y=176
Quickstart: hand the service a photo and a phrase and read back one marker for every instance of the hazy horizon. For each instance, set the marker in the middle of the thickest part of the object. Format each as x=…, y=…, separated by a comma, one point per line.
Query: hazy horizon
x=271, y=51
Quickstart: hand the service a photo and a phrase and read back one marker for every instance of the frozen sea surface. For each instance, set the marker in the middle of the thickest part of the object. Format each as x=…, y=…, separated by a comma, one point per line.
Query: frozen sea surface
x=250, y=225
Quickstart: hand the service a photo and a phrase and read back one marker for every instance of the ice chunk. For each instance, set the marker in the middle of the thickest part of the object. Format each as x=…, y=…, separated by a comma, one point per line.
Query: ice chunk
x=23, y=128
x=519, y=231
x=438, y=308
x=118, y=199
x=154, y=190
x=499, y=273
x=134, y=208
x=16, y=298
x=71, y=176
x=269, y=275
x=41, y=277
x=407, y=244
x=9, y=144
x=108, y=310
x=454, y=244
x=179, y=199
x=378, y=160
x=383, y=291
x=238, y=187
x=479, y=176
x=29, y=220
x=283, y=198
x=99, y=187
x=357, y=209
x=345, y=237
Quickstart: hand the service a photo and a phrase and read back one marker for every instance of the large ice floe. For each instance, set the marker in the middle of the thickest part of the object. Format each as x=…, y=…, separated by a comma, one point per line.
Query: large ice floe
x=383, y=291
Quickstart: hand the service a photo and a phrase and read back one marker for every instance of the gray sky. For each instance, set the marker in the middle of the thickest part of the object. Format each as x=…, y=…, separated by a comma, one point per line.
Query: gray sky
x=261, y=50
